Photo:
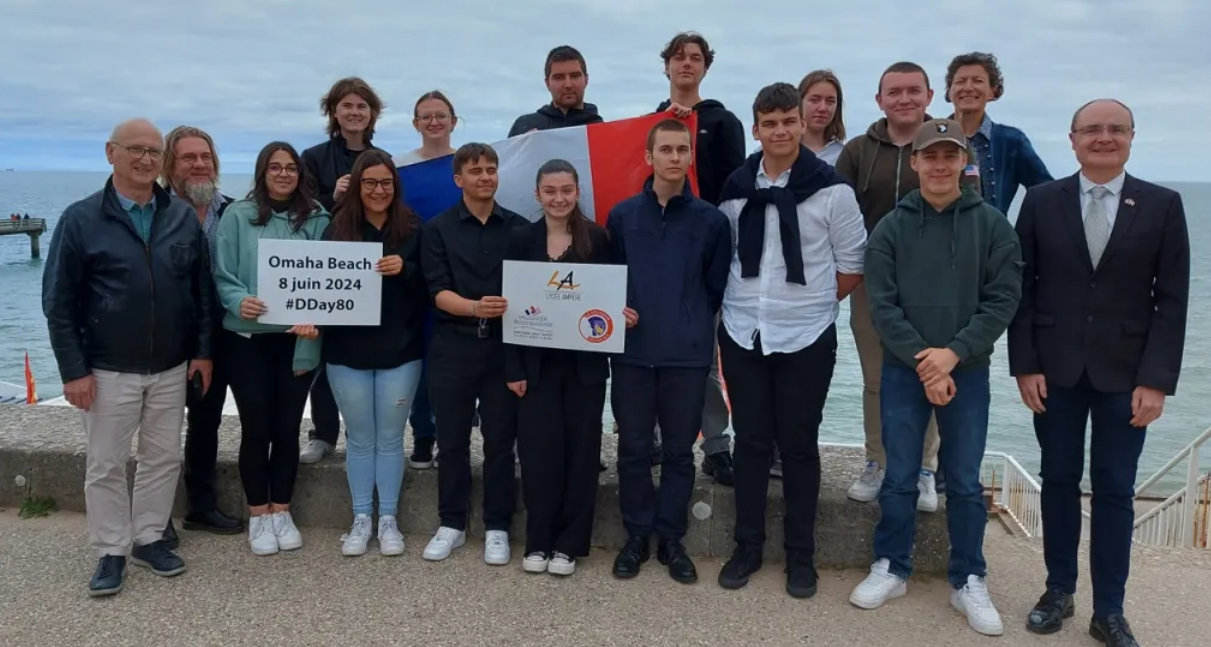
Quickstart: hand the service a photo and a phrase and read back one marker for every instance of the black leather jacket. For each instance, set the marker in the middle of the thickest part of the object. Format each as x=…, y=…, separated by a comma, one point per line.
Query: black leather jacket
x=113, y=302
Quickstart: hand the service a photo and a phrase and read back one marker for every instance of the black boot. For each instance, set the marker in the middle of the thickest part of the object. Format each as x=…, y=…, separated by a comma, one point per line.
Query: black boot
x=681, y=568
x=1112, y=630
x=632, y=556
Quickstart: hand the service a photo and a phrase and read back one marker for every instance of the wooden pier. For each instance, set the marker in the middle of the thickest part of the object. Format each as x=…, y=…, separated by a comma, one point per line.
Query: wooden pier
x=33, y=227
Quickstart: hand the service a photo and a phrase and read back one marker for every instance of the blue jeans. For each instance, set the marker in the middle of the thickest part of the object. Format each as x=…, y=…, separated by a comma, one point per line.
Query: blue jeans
x=963, y=433
x=375, y=405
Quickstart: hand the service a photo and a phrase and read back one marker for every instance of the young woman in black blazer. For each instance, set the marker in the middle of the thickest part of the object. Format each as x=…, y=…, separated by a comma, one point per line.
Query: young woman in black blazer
x=562, y=391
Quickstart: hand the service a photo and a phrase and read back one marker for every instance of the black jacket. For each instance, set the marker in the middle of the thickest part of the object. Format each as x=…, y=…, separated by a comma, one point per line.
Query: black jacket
x=1124, y=323
x=524, y=362
x=113, y=302
x=328, y=162
x=677, y=260
x=718, y=146
x=549, y=117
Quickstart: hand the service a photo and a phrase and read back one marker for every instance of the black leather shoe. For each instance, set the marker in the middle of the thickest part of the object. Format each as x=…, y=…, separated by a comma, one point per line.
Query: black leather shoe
x=212, y=521
x=1112, y=630
x=801, y=575
x=158, y=557
x=1049, y=613
x=109, y=576
x=719, y=466
x=170, y=538
x=633, y=554
x=745, y=561
x=681, y=568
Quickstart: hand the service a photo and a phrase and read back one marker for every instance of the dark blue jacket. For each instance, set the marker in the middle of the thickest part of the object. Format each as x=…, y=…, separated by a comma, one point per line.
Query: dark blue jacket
x=113, y=302
x=1014, y=164
x=677, y=262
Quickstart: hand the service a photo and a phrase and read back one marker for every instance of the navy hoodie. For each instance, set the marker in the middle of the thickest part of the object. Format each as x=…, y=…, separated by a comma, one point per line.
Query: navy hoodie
x=677, y=259
x=549, y=117
x=719, y=146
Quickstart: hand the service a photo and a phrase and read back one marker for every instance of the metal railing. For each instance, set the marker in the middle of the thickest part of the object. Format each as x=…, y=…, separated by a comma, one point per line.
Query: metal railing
x=35, y=225
x=1181, y=519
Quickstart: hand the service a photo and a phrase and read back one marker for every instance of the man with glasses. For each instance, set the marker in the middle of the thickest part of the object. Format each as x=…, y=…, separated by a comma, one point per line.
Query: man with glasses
x=126, y=298
x=1100, y=330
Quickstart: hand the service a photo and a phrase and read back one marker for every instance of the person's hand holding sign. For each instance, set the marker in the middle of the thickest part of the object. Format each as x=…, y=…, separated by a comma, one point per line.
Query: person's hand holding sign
x=306, y=331
x=489, y=307
x=251, y=308
x=390, y=265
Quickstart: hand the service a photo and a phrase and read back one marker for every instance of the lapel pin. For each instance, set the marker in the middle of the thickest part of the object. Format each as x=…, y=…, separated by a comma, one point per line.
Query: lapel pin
x=1129, y=202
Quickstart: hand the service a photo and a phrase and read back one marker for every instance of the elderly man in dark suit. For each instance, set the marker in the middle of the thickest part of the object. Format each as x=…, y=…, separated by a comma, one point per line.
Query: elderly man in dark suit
x=1100, y=331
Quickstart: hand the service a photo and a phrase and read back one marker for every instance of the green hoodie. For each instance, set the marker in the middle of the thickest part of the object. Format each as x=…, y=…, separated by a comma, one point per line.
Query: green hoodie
x=949, y=279
x=880, y=173
x=235, y=274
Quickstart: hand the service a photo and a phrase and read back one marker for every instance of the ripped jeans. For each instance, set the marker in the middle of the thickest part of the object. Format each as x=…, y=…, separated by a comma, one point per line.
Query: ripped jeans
x=375, y=405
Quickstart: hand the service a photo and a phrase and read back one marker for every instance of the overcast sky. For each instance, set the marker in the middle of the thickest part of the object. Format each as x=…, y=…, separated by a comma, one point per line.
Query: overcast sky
x=250, y=71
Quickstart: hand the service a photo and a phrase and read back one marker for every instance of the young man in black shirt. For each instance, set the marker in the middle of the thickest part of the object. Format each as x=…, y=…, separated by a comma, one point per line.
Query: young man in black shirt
x=463, y=250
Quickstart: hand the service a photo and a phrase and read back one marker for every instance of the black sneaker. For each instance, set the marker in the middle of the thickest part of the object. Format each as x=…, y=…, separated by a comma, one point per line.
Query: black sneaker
x=801, y=576
x=634, y=553
x=681, y=567
x=212, y=521
x=169, y=537
x=422, y=454
x=745, y=561
x=159, y=558
x=109, y=576
x=719, y=466
x=1049, y=613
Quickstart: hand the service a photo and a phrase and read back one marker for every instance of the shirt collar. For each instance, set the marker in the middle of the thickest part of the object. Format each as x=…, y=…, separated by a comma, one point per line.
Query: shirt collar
x=1114, y=186
x=464, y=212
x=782, y=179
x=985, y=128
x=128, y=205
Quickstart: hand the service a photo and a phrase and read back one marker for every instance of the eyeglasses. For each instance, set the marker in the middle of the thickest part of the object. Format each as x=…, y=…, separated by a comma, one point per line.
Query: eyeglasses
x=204, y=158
x=138, y=152
x=1093, y=130
x=278, y=169
x=370, y=184
x=436, y=116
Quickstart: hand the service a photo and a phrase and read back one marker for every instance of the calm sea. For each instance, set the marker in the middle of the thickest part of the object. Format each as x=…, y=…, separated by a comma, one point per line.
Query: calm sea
x=22, y=328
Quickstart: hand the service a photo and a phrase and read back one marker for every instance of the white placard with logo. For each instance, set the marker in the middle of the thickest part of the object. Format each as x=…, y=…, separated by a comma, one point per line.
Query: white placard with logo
x=565, y=305
x=326, y=283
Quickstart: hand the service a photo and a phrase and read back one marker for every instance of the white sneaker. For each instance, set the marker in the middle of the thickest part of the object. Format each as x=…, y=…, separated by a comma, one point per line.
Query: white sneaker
x=866, y=488
x=314, y=451
x=928, y=500
x=974, y=602
x=561, y=564
x=496, y=548
x=535, y=562
x=390, y=540
x=358, y=537
x=446, y=540
x=878, y=587
x=260, y=535
x=287, y=533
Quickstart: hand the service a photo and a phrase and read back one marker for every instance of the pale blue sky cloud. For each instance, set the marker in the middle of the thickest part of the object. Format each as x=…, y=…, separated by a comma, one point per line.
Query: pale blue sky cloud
x=250, y=71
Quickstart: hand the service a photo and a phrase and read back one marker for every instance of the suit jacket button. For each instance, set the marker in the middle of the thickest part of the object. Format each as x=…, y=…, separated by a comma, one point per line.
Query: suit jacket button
x=1089, y=318
x=1093, y=284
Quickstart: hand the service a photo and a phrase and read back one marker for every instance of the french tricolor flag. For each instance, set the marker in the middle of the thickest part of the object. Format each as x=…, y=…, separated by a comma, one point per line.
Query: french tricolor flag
x=609, y=156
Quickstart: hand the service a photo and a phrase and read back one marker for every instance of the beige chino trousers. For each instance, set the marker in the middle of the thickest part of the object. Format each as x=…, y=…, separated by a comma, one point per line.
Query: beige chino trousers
x=153, y=405
x=870, y=355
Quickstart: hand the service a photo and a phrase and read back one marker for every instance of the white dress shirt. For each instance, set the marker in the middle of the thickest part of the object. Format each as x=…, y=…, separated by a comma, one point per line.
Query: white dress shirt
x=1110, y=202
x=789, y=316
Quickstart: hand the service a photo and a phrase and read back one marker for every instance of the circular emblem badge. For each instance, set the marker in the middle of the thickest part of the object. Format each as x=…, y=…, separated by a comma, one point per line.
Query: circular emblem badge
x=596, y=326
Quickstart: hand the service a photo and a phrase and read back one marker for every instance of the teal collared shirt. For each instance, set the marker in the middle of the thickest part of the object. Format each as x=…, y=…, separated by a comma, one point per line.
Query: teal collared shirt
x=140, y=215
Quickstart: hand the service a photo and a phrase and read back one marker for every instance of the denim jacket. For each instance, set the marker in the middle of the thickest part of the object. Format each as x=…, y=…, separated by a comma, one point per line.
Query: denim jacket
x=1006, y=161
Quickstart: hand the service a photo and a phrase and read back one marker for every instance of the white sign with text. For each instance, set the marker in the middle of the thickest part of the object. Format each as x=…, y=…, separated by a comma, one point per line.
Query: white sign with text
x=565, y=305
x=326, y=283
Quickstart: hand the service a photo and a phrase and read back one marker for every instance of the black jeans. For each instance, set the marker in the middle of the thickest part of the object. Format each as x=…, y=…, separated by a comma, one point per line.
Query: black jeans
x=778, y=399
x=1114, y=452
x=559, y=443
x=641, y=397
x=270, y=398
x=463, y=368
x=203, y=418
x=325, y=416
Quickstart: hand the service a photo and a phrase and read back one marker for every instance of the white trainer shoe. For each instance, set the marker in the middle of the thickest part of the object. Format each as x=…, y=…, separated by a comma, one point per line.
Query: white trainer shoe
x=878, y=587
x=535, y=562
x=562, y=564
x=866, y=488
x=974, y=602
x=260, y=535
x=928, y=499
x=358, y=537
x=445, y=541
x=496, y=548
x=390, y=539
x=314, y=450
x=287, y=533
